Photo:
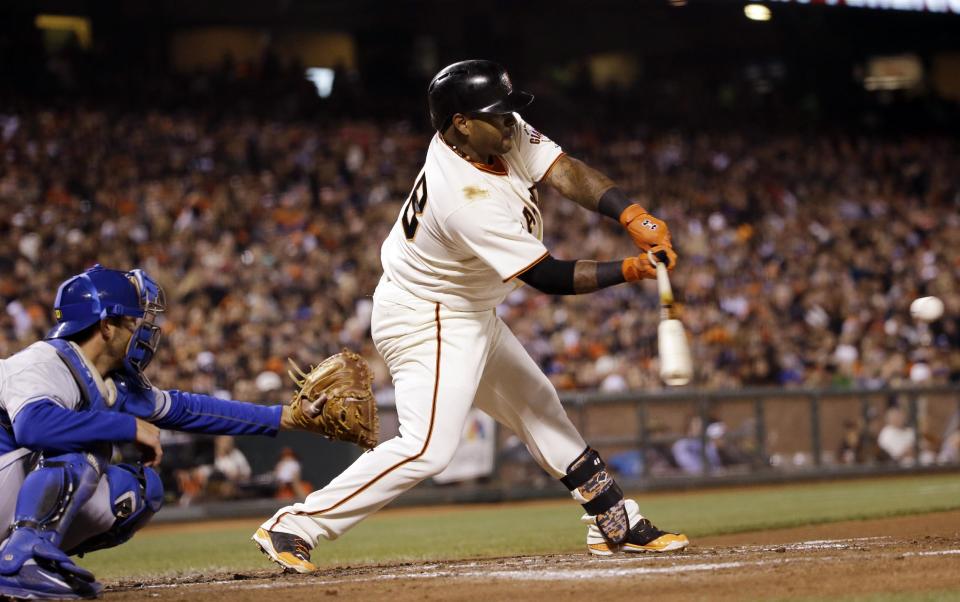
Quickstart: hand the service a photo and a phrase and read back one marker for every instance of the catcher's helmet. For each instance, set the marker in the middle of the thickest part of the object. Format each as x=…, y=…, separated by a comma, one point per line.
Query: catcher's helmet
x=475, y=86
x=87, y=298
x=100, y=293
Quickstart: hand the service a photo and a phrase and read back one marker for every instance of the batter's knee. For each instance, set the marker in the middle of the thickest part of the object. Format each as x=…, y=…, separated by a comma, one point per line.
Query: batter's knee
x=435, y=458
x=136, y=494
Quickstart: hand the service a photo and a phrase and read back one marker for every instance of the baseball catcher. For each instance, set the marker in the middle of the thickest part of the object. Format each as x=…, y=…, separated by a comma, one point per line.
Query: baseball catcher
x=64, y=402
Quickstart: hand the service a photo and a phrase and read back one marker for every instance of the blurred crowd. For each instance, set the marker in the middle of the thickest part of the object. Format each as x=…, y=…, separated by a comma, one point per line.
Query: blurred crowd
x=261, y=210
x=799, y=255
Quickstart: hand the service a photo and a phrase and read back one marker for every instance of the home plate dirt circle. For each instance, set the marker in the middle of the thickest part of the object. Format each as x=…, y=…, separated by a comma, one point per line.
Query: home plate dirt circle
x=897, y=555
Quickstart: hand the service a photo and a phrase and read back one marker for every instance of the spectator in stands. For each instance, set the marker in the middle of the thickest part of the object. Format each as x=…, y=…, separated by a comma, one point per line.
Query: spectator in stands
x=852, y=443
x=897, y=439
x=286, y=476
x=689, y=452
x=950, y=448
x=219, y=480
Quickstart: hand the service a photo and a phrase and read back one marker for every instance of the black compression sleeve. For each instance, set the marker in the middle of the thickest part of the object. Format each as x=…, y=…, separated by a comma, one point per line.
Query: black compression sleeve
x=612, y=203
x=609, y=273
x=551, y=276
x=557, y=277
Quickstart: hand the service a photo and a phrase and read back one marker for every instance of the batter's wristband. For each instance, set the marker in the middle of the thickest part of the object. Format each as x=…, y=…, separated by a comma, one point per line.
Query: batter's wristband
x=631, y=213
x=613, y=203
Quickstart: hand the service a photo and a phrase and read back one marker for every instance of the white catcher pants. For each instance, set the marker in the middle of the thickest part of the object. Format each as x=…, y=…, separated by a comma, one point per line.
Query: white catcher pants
x=442, y=362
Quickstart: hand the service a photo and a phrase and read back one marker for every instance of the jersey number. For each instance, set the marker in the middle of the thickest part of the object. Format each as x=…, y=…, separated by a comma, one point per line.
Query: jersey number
x=413, y=208
x=528, y=215
x=531, y=219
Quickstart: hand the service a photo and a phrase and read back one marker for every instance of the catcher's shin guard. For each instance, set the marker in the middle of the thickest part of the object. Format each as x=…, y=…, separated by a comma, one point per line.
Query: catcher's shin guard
x=32, y=565
x=289, y=551
x=643, y=536
x=53, y=492
x=600, y=496
x=136, y=494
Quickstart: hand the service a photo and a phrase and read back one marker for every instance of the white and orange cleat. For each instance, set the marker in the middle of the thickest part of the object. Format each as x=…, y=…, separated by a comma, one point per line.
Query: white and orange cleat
x=289, y=551
x=643, y=536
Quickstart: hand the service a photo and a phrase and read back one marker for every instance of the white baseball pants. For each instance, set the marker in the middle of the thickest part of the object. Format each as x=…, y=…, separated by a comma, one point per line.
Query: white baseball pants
x=442, y=362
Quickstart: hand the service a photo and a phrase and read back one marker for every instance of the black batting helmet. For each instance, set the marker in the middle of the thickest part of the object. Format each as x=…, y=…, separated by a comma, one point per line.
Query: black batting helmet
x=474, y=86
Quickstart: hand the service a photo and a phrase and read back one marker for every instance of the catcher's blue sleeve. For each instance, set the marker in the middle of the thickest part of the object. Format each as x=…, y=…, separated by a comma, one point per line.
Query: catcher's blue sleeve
x=196, y=413
x=44, y=425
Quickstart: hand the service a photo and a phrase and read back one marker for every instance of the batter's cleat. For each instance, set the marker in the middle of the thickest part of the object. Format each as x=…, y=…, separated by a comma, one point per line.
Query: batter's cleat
x=643, y=536
x=287, y=550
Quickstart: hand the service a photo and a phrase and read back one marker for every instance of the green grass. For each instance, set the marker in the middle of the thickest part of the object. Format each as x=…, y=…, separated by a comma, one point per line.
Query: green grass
x=550, y=527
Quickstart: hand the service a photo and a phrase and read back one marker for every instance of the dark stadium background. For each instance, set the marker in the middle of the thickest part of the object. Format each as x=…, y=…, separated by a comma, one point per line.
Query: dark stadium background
x=686, y=52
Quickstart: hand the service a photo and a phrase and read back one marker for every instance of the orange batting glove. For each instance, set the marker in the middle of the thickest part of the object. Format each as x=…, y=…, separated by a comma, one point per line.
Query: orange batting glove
x=645, y=230
x=640, y=268
x=658, y=250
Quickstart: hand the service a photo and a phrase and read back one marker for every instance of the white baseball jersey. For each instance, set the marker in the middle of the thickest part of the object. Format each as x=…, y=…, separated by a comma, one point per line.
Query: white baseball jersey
x=468, y=229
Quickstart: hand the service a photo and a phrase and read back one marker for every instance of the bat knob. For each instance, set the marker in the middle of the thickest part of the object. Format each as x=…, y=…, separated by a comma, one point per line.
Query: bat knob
x=659, y=257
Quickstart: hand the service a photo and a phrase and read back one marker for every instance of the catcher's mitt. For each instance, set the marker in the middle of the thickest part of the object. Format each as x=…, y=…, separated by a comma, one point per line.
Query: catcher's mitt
x=335, y=399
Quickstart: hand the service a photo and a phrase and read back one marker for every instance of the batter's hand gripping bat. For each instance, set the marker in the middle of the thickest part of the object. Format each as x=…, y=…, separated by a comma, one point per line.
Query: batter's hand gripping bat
x=676, y=365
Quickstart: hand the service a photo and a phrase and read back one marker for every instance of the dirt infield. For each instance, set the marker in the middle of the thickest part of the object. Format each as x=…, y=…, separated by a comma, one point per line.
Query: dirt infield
x=911, y=554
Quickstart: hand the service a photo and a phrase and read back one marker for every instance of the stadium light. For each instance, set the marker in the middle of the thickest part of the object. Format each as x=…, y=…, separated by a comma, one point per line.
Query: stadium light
x=322, y=79
x=757, y=12
x=79, y=26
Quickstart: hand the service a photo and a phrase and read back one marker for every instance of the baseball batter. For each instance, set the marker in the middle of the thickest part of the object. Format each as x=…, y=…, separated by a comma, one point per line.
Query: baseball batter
x=469, y=233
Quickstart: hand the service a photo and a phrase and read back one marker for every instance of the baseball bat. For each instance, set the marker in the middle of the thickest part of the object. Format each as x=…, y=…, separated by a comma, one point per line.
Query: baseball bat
x=676, y=364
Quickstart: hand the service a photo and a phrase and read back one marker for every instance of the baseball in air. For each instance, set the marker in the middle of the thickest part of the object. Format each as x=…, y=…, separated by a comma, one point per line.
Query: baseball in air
x=926, y=309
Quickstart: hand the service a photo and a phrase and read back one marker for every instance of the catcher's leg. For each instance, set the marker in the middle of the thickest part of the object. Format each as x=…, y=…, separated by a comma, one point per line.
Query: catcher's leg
x=13, y=469
x=32, y=562
x=435, y=357
x=517, y=393
x=125, y=500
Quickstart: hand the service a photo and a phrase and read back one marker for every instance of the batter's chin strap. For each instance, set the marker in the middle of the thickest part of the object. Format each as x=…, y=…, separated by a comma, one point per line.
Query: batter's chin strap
x=587, y=475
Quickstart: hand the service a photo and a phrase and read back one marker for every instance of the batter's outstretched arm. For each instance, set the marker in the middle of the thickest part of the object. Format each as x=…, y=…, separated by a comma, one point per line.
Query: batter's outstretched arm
x=559, y=277
x=592, y=190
